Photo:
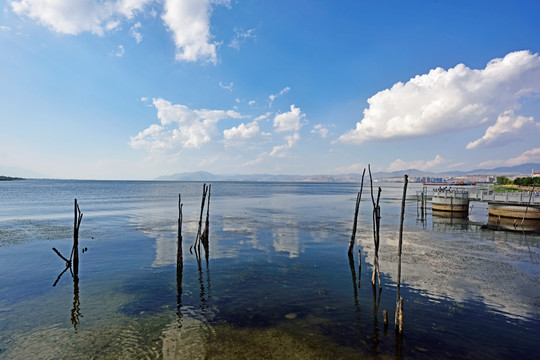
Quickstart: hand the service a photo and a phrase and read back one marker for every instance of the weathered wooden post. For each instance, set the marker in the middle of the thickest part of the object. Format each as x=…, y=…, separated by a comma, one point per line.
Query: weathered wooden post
x=399, y=300
x=355, y=220
x=179, y=251
x=179, y=264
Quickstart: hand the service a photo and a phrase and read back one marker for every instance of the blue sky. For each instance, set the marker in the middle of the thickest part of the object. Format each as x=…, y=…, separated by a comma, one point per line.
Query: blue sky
x=135, y=89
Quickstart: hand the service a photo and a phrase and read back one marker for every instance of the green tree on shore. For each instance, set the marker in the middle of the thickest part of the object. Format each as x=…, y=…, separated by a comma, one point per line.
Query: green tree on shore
x=503, y=180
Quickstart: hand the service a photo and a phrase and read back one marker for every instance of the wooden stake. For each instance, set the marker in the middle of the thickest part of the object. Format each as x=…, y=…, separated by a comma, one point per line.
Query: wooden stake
x=179, y=252
x=399, y=300
x=355, y=220
x=197, y=244
x=204, y=236
x=376, y=227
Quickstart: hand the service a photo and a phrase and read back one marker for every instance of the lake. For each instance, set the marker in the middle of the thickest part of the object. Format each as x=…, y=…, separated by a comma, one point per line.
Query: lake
x=277, y=282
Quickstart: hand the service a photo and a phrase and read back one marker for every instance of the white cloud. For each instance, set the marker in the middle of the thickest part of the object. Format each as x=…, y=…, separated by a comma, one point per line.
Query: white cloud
x=508, y=127
x=5, y=28
x=241, y=133
x=241, y=36
x=135, y=33
x=189, y=21
x=119, y=52
x=251, y=102
x=289, y=121
x=74, y=17
x=529, y=156
x=353, y=168
x=452, y=100
x=273, y=97
x=227, y=87
x=399, y=164
x=281, y=150
x=263, y=116
x=321, y=130
x=180, y=127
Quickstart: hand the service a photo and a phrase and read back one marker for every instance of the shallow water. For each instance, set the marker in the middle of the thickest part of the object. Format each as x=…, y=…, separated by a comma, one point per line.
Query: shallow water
x=277, y=284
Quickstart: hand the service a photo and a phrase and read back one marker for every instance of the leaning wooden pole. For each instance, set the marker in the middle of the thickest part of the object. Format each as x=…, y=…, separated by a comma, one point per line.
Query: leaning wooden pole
x=355, y=220
x=204, y=236
x=378, y=238
x=179, y=264
x=399, y=300
x=197, y=245
x=74, y=258
x=75, y=250
x=179, y=252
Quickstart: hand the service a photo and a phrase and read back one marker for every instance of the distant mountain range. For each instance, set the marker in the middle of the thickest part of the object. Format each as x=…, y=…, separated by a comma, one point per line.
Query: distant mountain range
x=519, y=170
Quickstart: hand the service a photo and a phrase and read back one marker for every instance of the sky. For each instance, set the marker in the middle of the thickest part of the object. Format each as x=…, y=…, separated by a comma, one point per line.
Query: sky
x=136, y=89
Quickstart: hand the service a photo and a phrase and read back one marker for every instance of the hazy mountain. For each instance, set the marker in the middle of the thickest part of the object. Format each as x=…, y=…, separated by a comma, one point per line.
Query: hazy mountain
x=14, y=171
x=520, y=170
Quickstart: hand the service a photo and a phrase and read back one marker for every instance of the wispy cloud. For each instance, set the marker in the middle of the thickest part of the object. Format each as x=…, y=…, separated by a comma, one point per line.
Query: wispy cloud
x=119, y=51
x=452, y=100
x=134, y=31
x=4, y=28
x=529, y=156
x=225, y=86
x=399, y=164
x=273, y=97
x=240, y=36
x=281, y=150
x=75, y=17
x=320, y=129
x=508, y=127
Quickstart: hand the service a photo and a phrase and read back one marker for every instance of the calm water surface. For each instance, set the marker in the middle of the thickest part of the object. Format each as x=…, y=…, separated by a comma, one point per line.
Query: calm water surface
x=277, y=284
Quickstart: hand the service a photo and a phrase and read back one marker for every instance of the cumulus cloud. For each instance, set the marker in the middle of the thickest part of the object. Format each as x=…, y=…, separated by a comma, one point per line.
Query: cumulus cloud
x=289, y=121
x=241, y=133
x=189, y=22
x=320, y=129
x=75, y=17
x=241, y=36
x=529, y=156
x=508, y=127
x=451, y=100
x=399, y=164
x=180, y=127
x=274, y=96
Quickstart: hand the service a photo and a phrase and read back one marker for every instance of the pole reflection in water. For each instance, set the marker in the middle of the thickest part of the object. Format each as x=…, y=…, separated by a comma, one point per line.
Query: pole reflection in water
x=353, y=275
x=76, y=310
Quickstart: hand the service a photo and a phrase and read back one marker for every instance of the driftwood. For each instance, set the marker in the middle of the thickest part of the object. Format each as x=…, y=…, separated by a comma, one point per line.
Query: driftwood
x=399, y=300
